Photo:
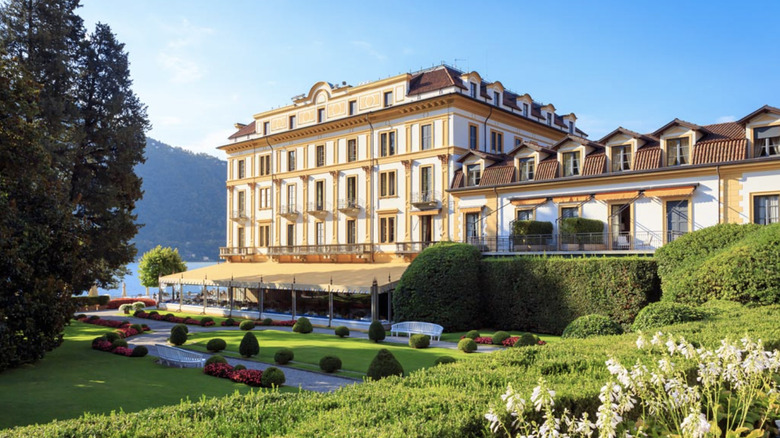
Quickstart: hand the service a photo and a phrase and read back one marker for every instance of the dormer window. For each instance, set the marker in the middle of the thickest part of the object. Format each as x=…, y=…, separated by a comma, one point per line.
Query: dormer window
x=473, y=90
x=388, y=98
x=571, y=163
x=527, y=169
x=266, y=128
x=473, y=174
x=767, y=141
x=571, y=127
x=549, y=119
x=526, y=112
x=621, y=158
x=677, y=151
x=497, y=98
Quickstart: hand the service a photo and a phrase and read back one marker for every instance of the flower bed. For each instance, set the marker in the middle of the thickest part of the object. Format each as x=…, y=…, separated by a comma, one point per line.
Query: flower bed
x=226, y=371
x=116, y=302
x=289, y=323
x=508, y=342
x=171, y=318
x=123, y=329
x=103, y=344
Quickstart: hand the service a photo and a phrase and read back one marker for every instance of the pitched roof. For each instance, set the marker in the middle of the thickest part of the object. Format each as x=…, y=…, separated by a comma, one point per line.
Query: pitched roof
x=720, y=131
x=594, y=164
x=628, y=132
x=547, y=169
x=764, y=109
x=531, y=145
x=484, y=155
x=719, y=151
x=457, y=179
x=498, y=174
x=433, y=80
x=647, y=158
x=674, y=122
x=247, y=129
x=577, y=139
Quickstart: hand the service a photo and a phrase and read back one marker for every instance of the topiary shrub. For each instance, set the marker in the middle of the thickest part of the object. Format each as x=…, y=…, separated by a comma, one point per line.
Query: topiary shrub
x=467, y=345
x=249, y=345
x=342, y=331
x=666, y=313
x=272, y=376
x=419, y=341
x=591, y=325
x=499, y=337
x=111, y=336
x=178, y=335
x=268, y=321
x=441, y=286
x=229, y=322
x=444, y=359
x=139, y=305
x=126, y=308
x=139, y=351
x=526, y=339
x=119, y=343
x=582, y=231
x=205, y=321
x=531, y=228
x=79, y=316
x=153, y=312
x=93, y=317
x=239, y=367
x=303, y=325
x=216, y=344
x=330, y=364
x=183, y=327
x=383, y=365
x=283, y=356
x=137, y=327
x=215, y=359
x=472, y=334
x=246, y=325
x=376, y=332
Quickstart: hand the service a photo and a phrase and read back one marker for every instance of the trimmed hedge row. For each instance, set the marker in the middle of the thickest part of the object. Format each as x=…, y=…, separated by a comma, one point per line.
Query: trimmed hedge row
x=100, y=300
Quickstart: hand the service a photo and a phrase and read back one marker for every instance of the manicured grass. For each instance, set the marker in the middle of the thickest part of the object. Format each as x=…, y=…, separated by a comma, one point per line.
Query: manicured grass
x=74, y=379
x=355, y=354
x=455, y=336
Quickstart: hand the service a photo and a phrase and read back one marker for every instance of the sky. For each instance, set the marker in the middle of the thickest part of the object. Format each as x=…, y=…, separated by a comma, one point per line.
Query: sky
x=201, y=66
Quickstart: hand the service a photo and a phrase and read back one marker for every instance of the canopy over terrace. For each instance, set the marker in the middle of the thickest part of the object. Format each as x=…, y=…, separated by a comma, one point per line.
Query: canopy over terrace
x=271, y=280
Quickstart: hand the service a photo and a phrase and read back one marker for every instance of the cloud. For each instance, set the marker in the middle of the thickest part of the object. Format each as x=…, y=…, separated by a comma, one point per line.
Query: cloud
x=182, y=70
x=176, y=57
x=725, y=119
x=368, y=48
x=185, y=34
x=208, y=143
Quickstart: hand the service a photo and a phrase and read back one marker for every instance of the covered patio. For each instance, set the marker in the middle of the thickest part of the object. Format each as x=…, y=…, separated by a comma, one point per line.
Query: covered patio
x=329, y=294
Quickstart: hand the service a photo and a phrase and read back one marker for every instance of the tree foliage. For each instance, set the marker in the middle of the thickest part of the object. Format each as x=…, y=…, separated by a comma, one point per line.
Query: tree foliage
x=159, y=262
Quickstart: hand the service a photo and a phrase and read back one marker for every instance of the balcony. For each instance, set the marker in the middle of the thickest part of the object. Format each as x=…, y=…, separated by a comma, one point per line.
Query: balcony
x=411, y=247
x=318, y=209
x=350, y=206
x=289, y=211
x=320, y=250
x=239, y=215
x=227, y=251
x=426, y=200
x=639, y=242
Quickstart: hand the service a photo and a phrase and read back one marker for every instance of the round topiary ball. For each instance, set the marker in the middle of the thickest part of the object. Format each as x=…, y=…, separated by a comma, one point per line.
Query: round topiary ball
x=268, y=321
x=591, y=325
x=137, y=327
x=419, y=341
x=330, y=364
x=303, y=325
x=383, y=365
x=246, y=325
x=183, y=327
x=472, y=334
x=283, y=356
x=467, y=345
x=206, y=320
x=119, y=343
x=249, y=345
x=215, y=359
x=376, y=331
x=216, y=344
x=342, y=331
x=499, y=337
x=525, y=340
x=663, y=313
x=230, y=322
x=272, y=376
x=139, y=351
x=178, y=335
x=111, y=336
x=239, y=367
x=444, y=359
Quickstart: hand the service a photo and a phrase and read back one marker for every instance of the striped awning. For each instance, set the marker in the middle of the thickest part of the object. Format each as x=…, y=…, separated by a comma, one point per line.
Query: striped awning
x=528, y=201
x=625, y=195
x=668, y=192
x=432, y=212
x=571, y=198
x=472, y=209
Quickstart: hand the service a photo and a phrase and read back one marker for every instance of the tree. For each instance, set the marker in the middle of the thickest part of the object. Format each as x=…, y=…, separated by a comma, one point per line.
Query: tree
x=158, y=262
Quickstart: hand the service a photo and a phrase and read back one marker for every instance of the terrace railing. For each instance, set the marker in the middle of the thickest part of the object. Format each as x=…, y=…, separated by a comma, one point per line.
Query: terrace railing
x=302, y=250
x=587, y=242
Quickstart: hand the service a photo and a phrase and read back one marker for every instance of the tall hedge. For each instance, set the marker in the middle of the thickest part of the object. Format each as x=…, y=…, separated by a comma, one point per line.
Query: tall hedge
x=531, y=228
x=441, y=286
x=577, y=225
x=543, y=295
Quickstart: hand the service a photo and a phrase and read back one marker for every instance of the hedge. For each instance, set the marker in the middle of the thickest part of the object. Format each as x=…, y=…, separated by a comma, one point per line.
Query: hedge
x=578, y=225
x=526, y=228
x=116, y=302
x=100, y=300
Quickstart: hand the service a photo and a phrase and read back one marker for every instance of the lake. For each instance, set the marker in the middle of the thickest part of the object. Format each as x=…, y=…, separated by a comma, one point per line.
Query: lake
x=133, y=283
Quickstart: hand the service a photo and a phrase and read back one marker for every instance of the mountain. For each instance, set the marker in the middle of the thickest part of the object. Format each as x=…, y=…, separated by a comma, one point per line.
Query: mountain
x=184, y=202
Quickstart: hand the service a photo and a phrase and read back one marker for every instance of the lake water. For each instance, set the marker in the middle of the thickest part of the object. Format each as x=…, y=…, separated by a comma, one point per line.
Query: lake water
x=133, y=283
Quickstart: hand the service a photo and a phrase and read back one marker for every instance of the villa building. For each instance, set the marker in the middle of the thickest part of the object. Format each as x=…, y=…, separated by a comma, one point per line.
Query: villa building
x=353, y=182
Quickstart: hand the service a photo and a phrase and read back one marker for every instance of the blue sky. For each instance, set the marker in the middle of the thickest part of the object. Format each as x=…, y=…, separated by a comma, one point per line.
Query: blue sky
x=201, y=66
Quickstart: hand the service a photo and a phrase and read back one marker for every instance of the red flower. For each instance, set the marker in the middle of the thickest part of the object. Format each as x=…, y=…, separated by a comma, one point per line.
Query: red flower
x=510, y=341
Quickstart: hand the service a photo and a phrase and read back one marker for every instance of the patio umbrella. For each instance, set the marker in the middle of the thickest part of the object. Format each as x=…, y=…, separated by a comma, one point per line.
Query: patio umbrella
x=93, y=292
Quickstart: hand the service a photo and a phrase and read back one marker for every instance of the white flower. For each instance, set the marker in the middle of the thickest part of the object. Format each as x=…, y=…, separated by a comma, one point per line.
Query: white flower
x=541, y=396
x=641, y=342
x=495, y=422
x=695, y=425
x=657, y=339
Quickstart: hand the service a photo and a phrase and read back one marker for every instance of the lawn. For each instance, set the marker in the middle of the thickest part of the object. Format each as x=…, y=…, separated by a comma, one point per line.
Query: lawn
x=455, y=336
x=74, y=379
x=355, y=354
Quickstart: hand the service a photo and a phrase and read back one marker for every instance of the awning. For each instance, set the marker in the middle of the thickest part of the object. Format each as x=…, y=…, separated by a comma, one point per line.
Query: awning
x=617, y=196
x=668, y=192
x=571, y=198
x=528, y=201
x=318, y=277
x=472, y=209
x=432, y=212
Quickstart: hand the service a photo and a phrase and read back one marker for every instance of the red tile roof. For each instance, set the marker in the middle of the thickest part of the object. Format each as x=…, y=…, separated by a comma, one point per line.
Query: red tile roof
x=594, y=164
x=248, y=129
x=719, y=151
x=630, y=133
x=547, y=169
x=457, y=180
x=674, y=122
x=764, y=109
x=647, y=158
x=497, y=175
x=433, y=80
x=730, y=130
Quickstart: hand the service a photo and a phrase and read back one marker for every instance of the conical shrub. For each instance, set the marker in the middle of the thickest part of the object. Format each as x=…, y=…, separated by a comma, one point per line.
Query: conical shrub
x=383, y=365
x=376, y=332
x=178, y=335
x=249, y=345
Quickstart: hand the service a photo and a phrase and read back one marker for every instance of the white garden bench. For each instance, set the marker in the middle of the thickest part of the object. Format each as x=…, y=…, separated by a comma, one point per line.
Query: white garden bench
x=179, y=358
x=416, y=327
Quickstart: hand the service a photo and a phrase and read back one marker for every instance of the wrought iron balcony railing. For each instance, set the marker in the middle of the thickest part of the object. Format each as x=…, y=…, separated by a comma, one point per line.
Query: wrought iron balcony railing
x=623, y=241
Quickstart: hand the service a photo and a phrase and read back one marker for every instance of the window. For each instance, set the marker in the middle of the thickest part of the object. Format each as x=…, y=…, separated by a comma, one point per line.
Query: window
x=241, y=169
x=351, y=231
x=319, y=233
x=425, y=137
x=241, y=237
x=571, y=163
x=496, y=142
x=676, y=219
x=352, y=107
x=265, y=165
x=241, y=204
x=320, y=115
x=549, y=119
x=388, y=98
x=387, y=229
x=387, y=144
x=266, y=128
x=497, y=98
x=291, y=202
x=571, y=127
x=527, y=169
x=518, y=141
x=265, y=198
x=264, y=238
x=352, y=150
x=387, y=184
x=426, y=184
x=320, y=152
x=472, y=227
x=292, y=122
x=352, y=190
x=525, y=110
x=319, y=197
x=473, y=90
x=290, y=234
x=526, y=214
x=621, y=158
x=567, y=212
x=473, y=174
x=766, y=209
x=677, y=151
x=767, y=141
x=473, y=137
x=290, y=160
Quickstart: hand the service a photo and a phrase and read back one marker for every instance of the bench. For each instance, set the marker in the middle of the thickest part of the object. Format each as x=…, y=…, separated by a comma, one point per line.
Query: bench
x=178, y=357
x=416, y=327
